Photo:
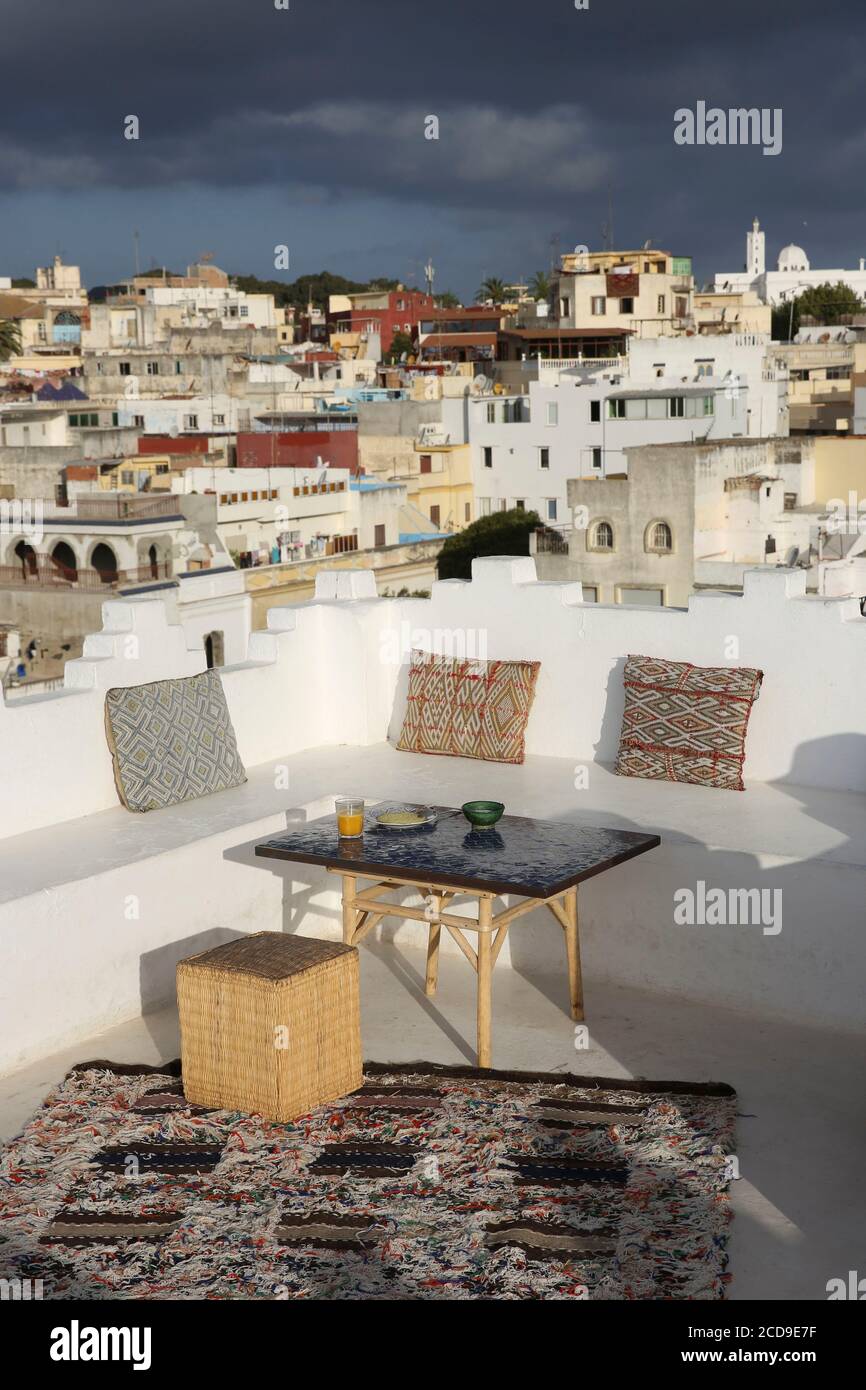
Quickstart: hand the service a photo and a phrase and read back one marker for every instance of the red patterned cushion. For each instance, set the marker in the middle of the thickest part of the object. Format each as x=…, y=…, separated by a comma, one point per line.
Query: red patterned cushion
x=686, y=723
x=468, y=709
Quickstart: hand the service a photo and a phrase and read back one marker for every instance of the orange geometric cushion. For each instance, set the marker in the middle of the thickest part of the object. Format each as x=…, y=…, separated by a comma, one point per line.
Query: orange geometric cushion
x=468, y=709
x=685, y=723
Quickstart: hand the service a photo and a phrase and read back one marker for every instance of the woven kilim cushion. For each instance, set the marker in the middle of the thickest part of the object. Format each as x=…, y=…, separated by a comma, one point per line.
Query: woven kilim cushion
x=685, y=723
x=468, y=709
x=171, y=741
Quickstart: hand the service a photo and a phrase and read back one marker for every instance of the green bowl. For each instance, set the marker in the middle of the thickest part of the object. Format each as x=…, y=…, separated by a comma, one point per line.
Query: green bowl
x=482, y=813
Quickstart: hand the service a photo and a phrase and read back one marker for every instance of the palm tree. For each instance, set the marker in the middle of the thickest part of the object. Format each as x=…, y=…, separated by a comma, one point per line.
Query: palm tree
x=10, y=339
x=539, y=285
x=492, y=288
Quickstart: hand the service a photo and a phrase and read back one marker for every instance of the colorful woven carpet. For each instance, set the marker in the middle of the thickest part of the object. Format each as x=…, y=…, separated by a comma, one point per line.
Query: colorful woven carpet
x=431, y=1182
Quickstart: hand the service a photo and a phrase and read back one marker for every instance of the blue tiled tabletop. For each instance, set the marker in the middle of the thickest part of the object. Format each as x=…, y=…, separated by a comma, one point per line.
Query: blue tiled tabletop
x=533, y=858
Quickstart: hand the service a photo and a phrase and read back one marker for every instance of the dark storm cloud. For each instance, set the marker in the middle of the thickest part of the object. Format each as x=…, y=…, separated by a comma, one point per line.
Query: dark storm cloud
x=541, y=106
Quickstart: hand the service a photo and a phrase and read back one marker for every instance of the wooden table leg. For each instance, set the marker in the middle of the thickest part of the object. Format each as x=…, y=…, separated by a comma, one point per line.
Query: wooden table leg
x=349, y=889
x=572, y=946
x=485, y=980
x=433, y=958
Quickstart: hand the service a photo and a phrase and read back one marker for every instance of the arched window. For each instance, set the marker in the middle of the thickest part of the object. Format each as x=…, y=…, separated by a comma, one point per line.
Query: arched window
x=104, y=561
x=27, y=555
x=659, y=538
x=64, y=561
x=601, y=536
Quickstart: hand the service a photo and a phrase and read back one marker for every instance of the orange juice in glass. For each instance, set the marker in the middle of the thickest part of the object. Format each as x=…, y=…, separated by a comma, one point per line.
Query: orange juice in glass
x=350, y=817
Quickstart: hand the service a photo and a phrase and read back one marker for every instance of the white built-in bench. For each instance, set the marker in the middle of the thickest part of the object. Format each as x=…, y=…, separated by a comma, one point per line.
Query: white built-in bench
x=97, y=907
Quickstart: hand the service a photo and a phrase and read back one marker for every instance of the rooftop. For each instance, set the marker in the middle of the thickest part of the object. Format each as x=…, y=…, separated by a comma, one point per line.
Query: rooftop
x=740, y=1004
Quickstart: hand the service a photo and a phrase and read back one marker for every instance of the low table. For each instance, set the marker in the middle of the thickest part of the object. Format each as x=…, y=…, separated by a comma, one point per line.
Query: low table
x=540, y=862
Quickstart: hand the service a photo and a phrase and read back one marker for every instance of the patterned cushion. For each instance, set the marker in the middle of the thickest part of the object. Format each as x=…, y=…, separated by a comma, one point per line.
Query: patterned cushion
x=468, y=709
x=171, y=741
x=686, y=723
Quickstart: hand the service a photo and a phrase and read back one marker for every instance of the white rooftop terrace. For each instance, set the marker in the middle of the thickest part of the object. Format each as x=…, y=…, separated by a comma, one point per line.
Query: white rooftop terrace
x=98, y=905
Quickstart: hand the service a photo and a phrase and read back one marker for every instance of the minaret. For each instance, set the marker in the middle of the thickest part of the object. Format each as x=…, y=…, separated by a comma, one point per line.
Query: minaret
x=755, y=256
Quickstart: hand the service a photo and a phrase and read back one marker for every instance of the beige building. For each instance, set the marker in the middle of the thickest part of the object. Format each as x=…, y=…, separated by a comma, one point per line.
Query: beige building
x=648, y=293
x=718, y=311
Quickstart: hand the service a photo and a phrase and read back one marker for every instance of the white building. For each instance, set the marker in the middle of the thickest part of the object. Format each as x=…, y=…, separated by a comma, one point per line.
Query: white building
x=578, y=422
x=793, y=274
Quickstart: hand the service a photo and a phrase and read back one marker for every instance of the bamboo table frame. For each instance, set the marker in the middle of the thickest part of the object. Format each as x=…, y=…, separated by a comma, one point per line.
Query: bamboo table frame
x=533, y=862
x=364, y=910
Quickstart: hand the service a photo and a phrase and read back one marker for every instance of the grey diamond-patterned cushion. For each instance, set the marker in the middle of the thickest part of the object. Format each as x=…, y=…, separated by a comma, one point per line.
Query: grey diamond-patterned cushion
x=171, y=741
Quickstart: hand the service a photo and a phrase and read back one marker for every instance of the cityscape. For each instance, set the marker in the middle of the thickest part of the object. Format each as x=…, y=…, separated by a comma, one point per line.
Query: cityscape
x=499, y=555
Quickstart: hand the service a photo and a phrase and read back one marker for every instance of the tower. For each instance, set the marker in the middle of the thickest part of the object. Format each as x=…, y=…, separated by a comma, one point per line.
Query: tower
x=755, y=253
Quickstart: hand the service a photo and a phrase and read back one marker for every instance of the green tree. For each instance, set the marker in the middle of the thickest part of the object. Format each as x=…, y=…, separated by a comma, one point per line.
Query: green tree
x=539, y=285
x=10, y=339
x=400, y=343
x=492, y=288
x=826, y=304
x=502, y=533
x=447, y=301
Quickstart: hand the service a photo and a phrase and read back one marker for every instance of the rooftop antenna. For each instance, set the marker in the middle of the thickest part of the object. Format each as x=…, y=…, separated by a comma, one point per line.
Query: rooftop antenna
x=430, y=275
x=135, y=247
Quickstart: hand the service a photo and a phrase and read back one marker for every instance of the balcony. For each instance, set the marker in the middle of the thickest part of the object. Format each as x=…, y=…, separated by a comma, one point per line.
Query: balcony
x=41, y=572
x=320, y=698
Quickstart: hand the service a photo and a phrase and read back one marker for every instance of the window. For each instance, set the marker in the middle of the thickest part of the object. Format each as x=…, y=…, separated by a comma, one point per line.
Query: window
x=219, y=419
x=379, y=535
x=564, y=306
x=115, y=418
x=162, y=468
x=254, y=497
x=434, y=515
x=626, y=306
x=138, y=422
x=590, y=593
x=676, y=407
x=682, y=307
x=491, y=412
x=483, y=506
x=790, y=501
x=635, y=410
x=596, y=458
x=616, y=410
x=177, y=368
x=244, y=311
x=190, y=422
x=544, y=458
x=125, y=368
x=595, y=411
x=520, y=504
x=401, y=305
x=656, y=408
x=502, y=505
x=552, y=413
x=708, y=405
x=599, y=304
x=601, y=536
x=153, y=369
x=660, y=306
x=551, y=508
x=245, y=497
x=659, y=538
x=488, y=457
x=467, y=511
x=127, y=477
x=426, y=463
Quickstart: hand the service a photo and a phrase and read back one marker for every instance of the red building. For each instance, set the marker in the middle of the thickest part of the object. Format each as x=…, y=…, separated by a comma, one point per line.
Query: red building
x=334, y=442
x=385, y=312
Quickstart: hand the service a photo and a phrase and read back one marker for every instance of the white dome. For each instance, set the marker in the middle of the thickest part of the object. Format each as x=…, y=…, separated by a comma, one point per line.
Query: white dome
x=793, y=258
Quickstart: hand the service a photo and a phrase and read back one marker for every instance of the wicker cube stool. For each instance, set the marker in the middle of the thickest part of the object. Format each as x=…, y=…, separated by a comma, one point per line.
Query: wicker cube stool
x=270, y=1024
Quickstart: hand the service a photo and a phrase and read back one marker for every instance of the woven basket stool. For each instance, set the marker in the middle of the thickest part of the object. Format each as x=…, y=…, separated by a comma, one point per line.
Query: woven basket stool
x=270, y=1025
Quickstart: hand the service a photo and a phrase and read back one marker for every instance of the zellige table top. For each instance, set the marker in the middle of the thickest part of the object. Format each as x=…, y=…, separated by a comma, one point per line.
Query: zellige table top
x=532, y=858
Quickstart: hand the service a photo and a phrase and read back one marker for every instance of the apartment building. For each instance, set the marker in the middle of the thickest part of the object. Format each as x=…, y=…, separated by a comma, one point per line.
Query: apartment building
x=647, y=293
x=579, y=421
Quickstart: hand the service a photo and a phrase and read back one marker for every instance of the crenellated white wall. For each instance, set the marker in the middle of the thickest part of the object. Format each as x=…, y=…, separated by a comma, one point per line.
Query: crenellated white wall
x=334, y=670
